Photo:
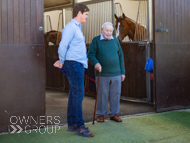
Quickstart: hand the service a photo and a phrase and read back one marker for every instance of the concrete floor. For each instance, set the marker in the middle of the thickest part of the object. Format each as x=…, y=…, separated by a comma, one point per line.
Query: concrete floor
x=56, y=105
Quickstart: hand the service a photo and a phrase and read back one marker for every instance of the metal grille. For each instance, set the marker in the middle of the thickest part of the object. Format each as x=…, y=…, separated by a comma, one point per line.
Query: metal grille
x=118, y=9
x=142, y=20
x=143, y=17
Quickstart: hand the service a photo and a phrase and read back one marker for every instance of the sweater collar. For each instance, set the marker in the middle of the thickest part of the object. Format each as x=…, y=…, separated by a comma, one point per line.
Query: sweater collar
x=103, y=38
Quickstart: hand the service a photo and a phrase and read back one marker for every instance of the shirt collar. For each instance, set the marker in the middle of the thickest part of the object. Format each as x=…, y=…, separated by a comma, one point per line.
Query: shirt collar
x=77, y=23
x=103, y=38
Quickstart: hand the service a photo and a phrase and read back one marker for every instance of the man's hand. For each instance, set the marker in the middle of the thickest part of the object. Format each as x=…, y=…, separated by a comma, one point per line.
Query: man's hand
x=98, y=67
x=122, y=78
x=58, y=64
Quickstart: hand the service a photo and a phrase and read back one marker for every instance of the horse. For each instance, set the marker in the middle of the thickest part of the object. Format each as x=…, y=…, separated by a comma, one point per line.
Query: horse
x=52, y=36
x=128, y=27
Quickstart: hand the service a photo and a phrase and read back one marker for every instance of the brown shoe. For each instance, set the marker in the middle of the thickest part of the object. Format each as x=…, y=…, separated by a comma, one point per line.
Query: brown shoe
x=100, y=119
x=116, y=118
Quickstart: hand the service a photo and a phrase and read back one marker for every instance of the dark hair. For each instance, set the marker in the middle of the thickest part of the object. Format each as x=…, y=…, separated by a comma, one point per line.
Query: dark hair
x=79, y=7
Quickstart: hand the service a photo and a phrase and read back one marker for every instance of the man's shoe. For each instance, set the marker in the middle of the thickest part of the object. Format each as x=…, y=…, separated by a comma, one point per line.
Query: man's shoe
x=100, y=119
x=116, y=118
x=84, y=132
x=71, y=128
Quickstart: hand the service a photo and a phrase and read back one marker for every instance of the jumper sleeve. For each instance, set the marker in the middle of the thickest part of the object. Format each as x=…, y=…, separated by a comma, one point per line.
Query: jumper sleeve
x=121, y=59
x=92, y=53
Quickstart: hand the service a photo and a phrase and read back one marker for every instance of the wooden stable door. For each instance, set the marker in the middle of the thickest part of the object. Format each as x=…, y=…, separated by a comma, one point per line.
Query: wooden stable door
x=134, y=85
x=172, y=54
x=22, y=60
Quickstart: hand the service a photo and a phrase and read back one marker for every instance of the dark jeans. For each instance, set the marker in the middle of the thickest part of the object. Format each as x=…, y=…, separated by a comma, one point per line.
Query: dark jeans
x=75, y=74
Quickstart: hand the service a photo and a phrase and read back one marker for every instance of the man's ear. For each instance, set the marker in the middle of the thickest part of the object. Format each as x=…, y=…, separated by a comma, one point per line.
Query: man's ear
x=102, y=29
x=79, y=13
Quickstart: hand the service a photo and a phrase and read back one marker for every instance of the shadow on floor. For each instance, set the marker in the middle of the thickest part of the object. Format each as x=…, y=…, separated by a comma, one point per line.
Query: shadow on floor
x=56, y=105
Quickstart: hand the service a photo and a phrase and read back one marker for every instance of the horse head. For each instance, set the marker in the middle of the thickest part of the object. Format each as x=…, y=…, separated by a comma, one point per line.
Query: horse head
x=53, y=36
x=121, y=27
x=126, y=27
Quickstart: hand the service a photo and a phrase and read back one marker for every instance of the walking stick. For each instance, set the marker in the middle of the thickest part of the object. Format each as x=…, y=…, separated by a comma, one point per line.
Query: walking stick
x=96, y=97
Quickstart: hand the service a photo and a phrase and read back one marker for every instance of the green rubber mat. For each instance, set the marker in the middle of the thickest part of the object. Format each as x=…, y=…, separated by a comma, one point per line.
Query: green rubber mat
x=168, y=127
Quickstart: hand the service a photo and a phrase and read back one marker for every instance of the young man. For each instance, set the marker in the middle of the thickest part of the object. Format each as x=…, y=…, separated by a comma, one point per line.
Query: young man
x=106, y=55
x=72, y=54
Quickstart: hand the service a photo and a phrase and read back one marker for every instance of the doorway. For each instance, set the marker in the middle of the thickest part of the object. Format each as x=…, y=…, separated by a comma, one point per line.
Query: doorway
x=56, y=98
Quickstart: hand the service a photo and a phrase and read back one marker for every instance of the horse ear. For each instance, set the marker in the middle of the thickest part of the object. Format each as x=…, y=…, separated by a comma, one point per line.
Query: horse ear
x=124, y=15
x=115, y=16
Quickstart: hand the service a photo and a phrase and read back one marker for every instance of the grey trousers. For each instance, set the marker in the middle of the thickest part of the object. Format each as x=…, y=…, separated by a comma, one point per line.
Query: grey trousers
x=109, y=91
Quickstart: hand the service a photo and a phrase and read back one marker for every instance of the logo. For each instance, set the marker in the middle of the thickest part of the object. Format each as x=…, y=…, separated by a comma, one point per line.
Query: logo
x=39, y=124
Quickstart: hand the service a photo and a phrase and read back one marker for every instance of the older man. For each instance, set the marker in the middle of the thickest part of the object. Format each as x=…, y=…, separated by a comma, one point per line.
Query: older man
x=106, y=55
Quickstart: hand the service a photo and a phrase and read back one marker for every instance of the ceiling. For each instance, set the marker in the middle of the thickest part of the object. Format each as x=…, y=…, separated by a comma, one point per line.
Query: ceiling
x=52, y=4
x=48, y=4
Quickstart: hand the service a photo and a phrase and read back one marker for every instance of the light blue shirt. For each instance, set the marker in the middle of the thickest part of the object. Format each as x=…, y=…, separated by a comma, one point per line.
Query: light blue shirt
x=72, y=45
x=103, y=38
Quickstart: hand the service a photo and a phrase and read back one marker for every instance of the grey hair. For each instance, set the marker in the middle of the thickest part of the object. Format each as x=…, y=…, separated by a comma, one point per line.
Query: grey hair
x=107, y=23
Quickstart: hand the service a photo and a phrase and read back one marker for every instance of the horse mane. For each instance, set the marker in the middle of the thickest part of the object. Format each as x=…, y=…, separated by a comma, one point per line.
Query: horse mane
x=50, y=31
x=134, y=33
x=47, y=33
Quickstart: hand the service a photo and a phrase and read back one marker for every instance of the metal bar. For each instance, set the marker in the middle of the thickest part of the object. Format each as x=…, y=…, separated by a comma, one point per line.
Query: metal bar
x=148, y=82
x=58, y=34
x=137, y=20
x=148, y=25
x=145, y=19
x=59, y=21
x=48, y=19
x=50, y=22
x=117, y=3
x=113, y=11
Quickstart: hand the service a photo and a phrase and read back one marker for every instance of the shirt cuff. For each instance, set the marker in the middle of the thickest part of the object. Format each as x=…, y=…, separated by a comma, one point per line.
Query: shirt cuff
x=61, y=61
